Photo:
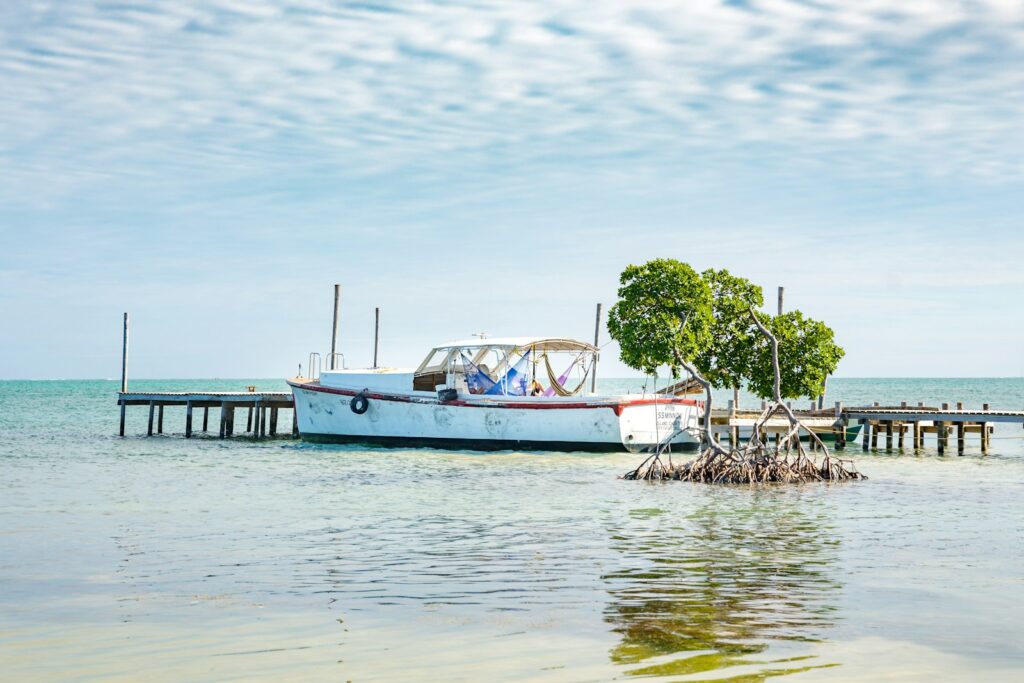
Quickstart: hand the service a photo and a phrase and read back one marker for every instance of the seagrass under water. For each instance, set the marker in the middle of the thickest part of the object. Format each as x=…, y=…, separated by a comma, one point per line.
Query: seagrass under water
x=167, y=559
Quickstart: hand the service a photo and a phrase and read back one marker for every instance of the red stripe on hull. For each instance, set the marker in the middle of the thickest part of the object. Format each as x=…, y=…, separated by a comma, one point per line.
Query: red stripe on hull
x=520, y=405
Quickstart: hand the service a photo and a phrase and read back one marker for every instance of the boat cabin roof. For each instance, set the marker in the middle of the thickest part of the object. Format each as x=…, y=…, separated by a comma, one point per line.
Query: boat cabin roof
x=539, y=343
x=439, y=356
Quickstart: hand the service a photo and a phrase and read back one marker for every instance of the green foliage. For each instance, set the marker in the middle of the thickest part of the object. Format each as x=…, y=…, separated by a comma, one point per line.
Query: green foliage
x=655, y=300
x=719, y=336
x=808, y=354
x=725, y=361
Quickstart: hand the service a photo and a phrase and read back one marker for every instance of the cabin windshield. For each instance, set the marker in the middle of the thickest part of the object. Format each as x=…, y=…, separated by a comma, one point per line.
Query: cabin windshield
x=541, y=367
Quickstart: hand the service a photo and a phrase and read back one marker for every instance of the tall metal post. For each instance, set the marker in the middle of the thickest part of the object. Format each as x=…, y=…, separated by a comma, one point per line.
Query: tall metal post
x=597, y=339
x=781, y=290
x=124, y=371
x=376, y=334
x=124, y=356
x=334, y=327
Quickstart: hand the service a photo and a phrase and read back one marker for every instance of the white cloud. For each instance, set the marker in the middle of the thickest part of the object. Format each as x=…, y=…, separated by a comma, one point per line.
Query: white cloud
x=94, y=89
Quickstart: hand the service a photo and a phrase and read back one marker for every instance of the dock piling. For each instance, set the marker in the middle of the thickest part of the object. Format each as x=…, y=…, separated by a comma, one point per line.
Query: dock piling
x=985, y=427
x=188, y=420
x=124, y=357
x=149, y=429
x=160, y=419
x=733, y=442
x=124, y=369
x=840, y=429
x=206, y=418
x=273, y=422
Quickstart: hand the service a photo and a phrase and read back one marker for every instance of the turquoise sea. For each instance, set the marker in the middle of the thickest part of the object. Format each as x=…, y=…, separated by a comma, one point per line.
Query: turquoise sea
x=161, y=559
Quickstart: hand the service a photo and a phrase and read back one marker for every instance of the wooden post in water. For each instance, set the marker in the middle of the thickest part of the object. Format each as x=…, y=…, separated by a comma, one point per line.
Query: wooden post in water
x=223, y=420
x=206, y=418
x=248, y=421
x=597, y=338
x=376, y=334
x=734, y=432
x=888, y=435
x=231, y=421
x=256, y=422
x=188, y=420
x=941, y=432
x=263, y=421
x=124, y=356
x=149, y=429
x=984, y=432
x=273, y=421
x=866, y=437
x=160, y=419
x=920, y=440
x=840, y=430
x=124, y=369
x=961, y=441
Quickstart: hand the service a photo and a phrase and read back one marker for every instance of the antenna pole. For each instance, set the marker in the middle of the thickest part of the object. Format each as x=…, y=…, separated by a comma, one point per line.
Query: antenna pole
x=334, y=327
x=597, y=338
x=376, y=334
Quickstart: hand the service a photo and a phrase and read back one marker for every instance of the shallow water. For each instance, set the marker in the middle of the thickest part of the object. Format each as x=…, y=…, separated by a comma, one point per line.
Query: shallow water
x=166, y=559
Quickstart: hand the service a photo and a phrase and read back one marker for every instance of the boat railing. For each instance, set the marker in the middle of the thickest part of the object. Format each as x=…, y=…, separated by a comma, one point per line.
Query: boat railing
x=332, y=361
x=314, y=365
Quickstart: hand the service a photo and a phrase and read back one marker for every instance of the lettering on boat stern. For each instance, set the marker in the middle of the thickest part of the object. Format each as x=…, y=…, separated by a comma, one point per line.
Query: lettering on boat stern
x=495, y=423
x=669, y=419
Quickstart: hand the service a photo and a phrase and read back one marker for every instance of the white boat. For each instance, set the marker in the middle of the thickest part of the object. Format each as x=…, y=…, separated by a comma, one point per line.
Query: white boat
x=490, y=394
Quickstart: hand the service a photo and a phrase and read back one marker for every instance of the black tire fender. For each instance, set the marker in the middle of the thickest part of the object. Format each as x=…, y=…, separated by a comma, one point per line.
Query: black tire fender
x=359, y=404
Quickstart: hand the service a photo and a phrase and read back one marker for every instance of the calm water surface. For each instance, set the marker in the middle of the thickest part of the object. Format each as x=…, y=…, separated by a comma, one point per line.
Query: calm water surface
x=166, y=560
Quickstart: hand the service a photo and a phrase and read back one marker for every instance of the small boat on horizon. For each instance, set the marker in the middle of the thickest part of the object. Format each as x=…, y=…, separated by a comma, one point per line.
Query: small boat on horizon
x=491, y=394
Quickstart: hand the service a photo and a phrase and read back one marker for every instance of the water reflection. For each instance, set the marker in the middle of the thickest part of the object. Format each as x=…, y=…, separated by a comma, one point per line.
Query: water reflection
x=746, y=580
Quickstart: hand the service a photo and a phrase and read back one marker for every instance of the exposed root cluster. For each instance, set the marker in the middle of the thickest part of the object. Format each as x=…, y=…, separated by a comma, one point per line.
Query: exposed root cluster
x=788, y=461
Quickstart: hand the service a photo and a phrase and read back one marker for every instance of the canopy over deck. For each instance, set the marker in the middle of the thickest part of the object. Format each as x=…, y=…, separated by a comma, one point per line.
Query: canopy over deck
x=498, y=350
x=538, y=343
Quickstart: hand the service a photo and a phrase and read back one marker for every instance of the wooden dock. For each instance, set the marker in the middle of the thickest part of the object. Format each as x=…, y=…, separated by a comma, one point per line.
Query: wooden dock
x=895, y=423
x=262, y=409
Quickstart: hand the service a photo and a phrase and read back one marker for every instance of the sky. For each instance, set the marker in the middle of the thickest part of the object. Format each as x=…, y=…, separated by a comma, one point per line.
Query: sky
x=215, y=167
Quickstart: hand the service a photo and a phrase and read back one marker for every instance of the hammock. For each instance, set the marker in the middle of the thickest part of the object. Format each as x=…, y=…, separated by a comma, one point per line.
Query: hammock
x=477, y=381
x=514, y=381
x=556, y=382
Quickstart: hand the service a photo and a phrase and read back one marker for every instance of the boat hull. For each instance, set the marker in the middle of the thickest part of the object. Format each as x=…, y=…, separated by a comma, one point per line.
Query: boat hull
x=420, y=419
